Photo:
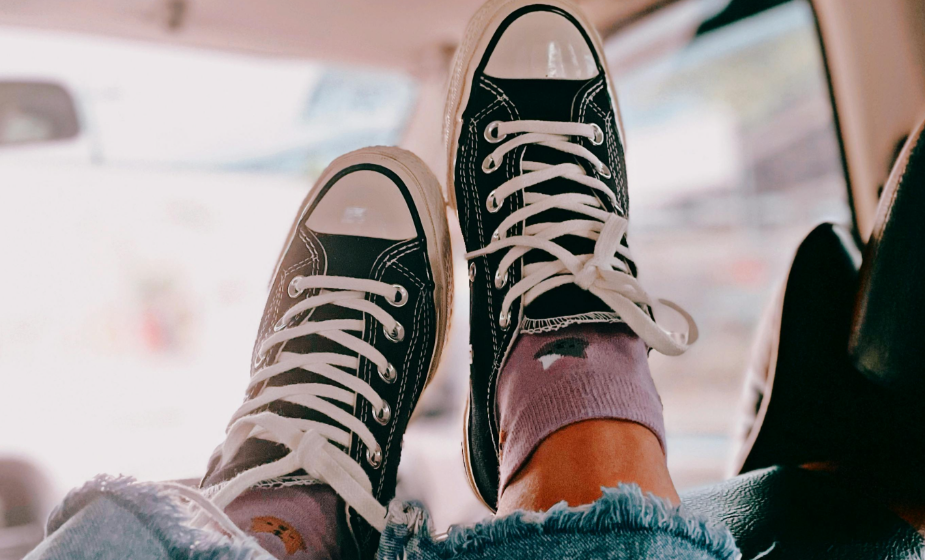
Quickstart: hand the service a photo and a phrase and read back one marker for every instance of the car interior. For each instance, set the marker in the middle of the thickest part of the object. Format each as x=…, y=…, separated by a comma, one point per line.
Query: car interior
x=833, y=387
x=794, y=203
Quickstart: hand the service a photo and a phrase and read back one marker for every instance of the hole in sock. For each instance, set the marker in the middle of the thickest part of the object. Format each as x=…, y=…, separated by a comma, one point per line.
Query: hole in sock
x=295, y=522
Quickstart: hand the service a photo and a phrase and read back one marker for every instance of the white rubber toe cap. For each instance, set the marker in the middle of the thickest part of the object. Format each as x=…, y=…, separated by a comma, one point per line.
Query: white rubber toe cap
x=542, y=45
x=366, y=204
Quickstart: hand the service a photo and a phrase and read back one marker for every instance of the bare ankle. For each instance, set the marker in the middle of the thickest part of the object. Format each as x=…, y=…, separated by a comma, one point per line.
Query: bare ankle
x=574, y=463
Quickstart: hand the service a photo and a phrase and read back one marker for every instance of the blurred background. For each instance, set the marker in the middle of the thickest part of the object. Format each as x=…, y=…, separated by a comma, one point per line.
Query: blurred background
x=151, y=160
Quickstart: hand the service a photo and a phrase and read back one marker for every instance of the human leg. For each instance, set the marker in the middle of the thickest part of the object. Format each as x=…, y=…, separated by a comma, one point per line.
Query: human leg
x=561, y=400
x=539, y=181
x=352, y=332
x=578, y=411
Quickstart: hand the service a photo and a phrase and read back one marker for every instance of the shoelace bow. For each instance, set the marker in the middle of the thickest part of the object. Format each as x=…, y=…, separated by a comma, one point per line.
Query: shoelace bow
x=317, y=447
x=602, y=273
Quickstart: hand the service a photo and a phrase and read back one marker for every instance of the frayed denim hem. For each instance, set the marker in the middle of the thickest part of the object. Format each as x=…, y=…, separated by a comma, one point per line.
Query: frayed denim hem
x=158, y=510
x=620, y=511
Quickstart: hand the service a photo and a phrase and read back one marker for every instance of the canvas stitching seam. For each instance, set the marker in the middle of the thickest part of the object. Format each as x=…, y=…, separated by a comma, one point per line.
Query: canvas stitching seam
x=412, y=347
x=399, y=250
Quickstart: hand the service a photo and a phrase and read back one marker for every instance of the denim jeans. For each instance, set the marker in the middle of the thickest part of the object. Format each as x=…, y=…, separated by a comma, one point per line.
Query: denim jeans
x=117, y=518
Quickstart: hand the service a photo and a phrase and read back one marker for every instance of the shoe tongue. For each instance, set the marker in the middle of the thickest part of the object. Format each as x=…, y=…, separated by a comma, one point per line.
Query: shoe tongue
x=548, y=100
x=553, y=100
x=542, y=99
x=348, y=256
x=351, y=255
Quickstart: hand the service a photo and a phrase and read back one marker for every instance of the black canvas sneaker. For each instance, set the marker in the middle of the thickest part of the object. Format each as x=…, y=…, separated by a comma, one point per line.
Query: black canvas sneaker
x=352, y=332
x=538, y=180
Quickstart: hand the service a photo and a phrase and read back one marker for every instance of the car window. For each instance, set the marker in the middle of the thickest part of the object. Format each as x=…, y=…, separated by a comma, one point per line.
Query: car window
x=175, y=107
x=732, y=158
x=138, y=250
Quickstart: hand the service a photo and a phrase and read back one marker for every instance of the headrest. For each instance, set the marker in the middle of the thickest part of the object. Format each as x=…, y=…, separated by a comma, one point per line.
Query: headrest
x=888, y=332
x=808, y=403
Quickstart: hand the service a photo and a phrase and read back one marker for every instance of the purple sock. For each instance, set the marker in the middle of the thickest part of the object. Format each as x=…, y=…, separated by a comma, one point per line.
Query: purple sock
x=577, y=373
x=295, y=522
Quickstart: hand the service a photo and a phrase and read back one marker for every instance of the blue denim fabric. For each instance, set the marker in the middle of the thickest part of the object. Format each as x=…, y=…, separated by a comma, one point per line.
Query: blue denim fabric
x=117, y=518
x=622, y=524
x=111, y=519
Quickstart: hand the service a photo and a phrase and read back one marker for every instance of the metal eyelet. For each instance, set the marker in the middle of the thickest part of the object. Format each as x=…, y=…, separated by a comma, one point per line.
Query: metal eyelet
x=258, y=358
x=401, y=296
x=294, y=291
x=489, y=165
x=604, y=172
x=598, y=135
x=492, y=203
x=397, y=334
x=374, y=457
x=472, y=271
x=498, y=235
x=504, y=320
x=500, y=281
x=389, y=374
x=491, y=133
x=383, y=415
x=280, y=325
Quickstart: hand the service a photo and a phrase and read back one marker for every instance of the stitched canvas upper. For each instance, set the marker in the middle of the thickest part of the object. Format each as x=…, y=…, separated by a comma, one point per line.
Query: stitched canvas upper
x=403, y=263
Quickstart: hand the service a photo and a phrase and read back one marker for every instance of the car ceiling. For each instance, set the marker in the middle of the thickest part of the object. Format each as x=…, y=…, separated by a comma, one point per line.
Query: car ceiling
x=412, y=35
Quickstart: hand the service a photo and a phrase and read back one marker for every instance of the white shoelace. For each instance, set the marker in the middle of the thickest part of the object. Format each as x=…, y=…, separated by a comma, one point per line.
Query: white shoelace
x=314, y=445
x=603, y=274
